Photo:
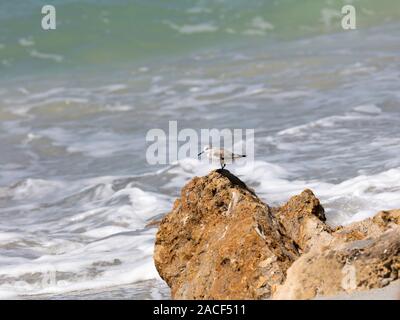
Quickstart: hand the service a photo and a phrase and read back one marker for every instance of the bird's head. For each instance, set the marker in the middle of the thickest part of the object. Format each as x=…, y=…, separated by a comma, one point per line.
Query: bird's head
x=205, y=149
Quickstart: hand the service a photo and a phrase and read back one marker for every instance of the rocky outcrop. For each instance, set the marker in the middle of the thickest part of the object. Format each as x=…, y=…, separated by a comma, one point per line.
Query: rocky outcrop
x=304, y=221
x=220, y=241
x=352, y=266
x=361, y=256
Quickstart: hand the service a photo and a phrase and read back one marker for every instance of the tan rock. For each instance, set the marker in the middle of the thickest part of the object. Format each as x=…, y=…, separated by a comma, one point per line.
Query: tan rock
x=371, y=227
x=221, y=241
x=303, y=218
x=353, y=266
x=356, y=257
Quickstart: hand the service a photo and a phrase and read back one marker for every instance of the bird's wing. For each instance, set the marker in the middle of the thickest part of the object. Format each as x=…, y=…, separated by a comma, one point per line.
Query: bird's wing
x=219, y=153
x=227, y=154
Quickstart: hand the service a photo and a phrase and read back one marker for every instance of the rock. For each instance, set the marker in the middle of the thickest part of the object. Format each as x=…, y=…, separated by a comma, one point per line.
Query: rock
x=353, y=266
x=221, y=241
x=360, y=256
x=372, y=227
x=303, y=218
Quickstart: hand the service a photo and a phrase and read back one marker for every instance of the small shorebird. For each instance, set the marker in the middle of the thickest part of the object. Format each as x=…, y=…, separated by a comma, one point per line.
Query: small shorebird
x=220, y=154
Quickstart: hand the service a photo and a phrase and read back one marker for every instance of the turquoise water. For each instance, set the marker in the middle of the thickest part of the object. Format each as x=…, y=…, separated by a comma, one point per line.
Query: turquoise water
x=105, y=34
x=76, y=191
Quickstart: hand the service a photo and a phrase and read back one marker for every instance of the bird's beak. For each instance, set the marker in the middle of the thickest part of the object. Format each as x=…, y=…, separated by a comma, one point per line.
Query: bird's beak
x=198, y=156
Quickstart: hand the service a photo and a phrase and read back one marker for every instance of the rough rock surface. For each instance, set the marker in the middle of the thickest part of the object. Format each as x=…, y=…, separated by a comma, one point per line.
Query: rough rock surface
x=220, y=241
x=360, y=256
x=353, y=266
x=372, y=227
x=304, y=221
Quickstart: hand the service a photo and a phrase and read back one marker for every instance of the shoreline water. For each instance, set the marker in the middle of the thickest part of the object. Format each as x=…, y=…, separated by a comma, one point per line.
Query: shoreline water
x=74, y=183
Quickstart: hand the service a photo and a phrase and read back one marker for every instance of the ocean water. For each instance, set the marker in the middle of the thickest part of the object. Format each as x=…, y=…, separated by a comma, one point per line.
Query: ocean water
x=76, y=191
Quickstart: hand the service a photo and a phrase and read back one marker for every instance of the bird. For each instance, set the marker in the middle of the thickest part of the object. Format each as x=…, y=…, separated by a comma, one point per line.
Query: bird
x=220, y=154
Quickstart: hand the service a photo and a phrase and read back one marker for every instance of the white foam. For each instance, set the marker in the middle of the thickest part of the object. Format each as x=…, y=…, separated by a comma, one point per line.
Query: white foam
x=278, y=94
x=194, y=28
x=351, y=200
x=23, y=90
x=297, y=130
x=118, y=107
x=30, y=137
x=358, y=68
x=94, y=144
x=105, y=263
x=47, y=56
x=104, y=231
x=35, y=188
x=326, y=122
x=38, y=96
x=368, y=108
x=261, y=24
x=8, y=236
x=112, y=87
x=26, y=42
x=107, y=245
x=253, y=32
x=198, y=10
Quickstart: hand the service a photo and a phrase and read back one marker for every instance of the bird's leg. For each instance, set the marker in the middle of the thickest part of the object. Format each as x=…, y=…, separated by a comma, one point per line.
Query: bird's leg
x=222, y=162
